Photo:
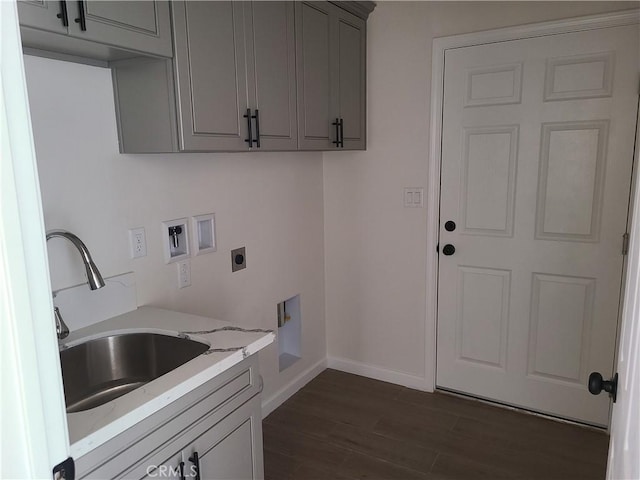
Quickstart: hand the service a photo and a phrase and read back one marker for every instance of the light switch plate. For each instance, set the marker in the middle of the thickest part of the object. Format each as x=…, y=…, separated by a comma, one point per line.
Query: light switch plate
x=414, y=197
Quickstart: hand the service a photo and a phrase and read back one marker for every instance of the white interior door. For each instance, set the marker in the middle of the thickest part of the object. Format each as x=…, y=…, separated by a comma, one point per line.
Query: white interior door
x=624, y=461
x=537, y=154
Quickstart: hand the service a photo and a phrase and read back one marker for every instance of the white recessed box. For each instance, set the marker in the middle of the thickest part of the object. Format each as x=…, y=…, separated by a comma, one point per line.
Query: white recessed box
x=204, y=233
x=175, y=239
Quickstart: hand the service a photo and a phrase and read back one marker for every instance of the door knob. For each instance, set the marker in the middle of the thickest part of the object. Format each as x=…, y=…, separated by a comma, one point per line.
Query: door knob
x=597, y=384
x=450, y=226
x=448, y=249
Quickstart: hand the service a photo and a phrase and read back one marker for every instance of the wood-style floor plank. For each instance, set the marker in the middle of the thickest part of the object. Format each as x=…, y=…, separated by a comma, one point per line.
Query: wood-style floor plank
x=345, y=427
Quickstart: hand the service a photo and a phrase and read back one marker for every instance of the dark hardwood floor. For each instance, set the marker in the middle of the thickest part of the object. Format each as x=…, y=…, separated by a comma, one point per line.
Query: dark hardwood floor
x=343, y=426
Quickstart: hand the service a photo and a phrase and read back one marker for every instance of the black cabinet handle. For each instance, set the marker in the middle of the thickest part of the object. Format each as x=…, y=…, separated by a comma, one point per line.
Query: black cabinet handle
x=82, y=20
x=182, y=471
x=63, y=15
x=248, y=117
x=196, y=461
x=342, y=132
x=337, y=125
x=257, y=119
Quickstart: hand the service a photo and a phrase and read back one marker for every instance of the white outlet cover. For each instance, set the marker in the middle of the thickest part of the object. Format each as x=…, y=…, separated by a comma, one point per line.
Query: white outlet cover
x=137, y=242
x=184, y=274
x=204, y=233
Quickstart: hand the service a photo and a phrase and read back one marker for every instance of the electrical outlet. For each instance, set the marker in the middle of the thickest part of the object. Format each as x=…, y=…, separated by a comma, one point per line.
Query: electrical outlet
x=184, y=274
x=138, y=242
x=238, y=259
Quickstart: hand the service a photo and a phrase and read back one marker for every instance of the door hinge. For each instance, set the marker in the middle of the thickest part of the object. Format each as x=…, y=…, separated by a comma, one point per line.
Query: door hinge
x=625, y=244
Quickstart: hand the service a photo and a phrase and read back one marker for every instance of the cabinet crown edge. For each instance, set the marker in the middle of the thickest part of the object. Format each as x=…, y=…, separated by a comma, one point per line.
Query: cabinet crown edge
x=359, y=8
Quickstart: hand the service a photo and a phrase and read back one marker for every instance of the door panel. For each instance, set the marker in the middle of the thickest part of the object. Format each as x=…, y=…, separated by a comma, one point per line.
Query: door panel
x=483, y=314
x=313, y=56
x=536, y=169
x=143, y=26
x=488, y=182
x=41, y=14
x=271, y=72
x=232, y=449
x=351, y=86
x=573, y=154
x=211, y=71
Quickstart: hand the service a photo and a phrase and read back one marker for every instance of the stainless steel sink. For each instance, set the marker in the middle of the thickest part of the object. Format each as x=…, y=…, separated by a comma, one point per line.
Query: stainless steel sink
x=100, y=370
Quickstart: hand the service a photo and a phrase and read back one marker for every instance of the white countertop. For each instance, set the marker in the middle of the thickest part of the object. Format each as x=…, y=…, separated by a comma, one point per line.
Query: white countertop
x=91, y=428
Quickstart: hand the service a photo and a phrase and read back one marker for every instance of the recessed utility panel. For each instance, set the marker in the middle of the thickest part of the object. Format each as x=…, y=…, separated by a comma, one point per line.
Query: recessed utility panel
x=238, y=259
x=175, y=239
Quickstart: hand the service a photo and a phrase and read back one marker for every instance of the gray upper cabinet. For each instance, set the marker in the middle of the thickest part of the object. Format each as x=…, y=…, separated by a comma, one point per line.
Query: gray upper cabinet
x=231, y=85
x=331, y=69
x=350, y=101
x=249, y=76
x=211, y=75
x=271, y=72
x=47, y=15
x=314, y=39
x=97, y=29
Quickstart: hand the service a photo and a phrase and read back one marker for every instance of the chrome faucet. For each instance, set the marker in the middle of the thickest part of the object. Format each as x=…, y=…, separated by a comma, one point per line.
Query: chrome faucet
x=94, y=277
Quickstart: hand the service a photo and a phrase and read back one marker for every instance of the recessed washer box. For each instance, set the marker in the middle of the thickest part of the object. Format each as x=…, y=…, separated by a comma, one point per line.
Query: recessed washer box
x=175, y=239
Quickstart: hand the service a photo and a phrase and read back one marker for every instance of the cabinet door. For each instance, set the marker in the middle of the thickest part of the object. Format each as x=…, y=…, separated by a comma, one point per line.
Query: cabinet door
x=41, y=14
x=232, y=449
x=211, y=75
x=271, y=72
x=351, y=97
x=314, y=72
x=136, y=25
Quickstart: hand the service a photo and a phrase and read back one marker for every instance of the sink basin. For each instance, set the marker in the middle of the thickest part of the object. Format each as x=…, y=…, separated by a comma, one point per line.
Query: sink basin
x=100, y=370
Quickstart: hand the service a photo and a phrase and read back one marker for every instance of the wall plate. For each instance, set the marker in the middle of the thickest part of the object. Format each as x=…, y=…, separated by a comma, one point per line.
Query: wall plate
x=238, y=259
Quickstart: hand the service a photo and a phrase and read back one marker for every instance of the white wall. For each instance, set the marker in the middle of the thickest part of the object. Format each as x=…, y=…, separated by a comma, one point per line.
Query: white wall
x=270, y=203
x=374, y=248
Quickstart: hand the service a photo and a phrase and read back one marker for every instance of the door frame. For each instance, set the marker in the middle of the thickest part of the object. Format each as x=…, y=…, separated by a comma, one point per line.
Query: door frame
x=34, y=415
x=439, y=48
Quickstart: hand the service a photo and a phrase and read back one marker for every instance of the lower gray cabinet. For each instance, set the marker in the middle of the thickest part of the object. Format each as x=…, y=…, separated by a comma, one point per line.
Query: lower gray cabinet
x=229, y=450
x=232, y=449
x=216, y=430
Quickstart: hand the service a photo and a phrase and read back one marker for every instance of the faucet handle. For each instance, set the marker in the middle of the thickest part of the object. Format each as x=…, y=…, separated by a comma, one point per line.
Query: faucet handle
x=61, y=328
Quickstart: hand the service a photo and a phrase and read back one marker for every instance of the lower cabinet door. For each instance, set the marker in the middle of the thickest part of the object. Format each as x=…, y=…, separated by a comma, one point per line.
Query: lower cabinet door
x=232, y=449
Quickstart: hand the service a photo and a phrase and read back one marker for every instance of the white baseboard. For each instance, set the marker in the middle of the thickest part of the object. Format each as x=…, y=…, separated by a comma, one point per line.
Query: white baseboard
x=282, y=395
x=378, y=373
